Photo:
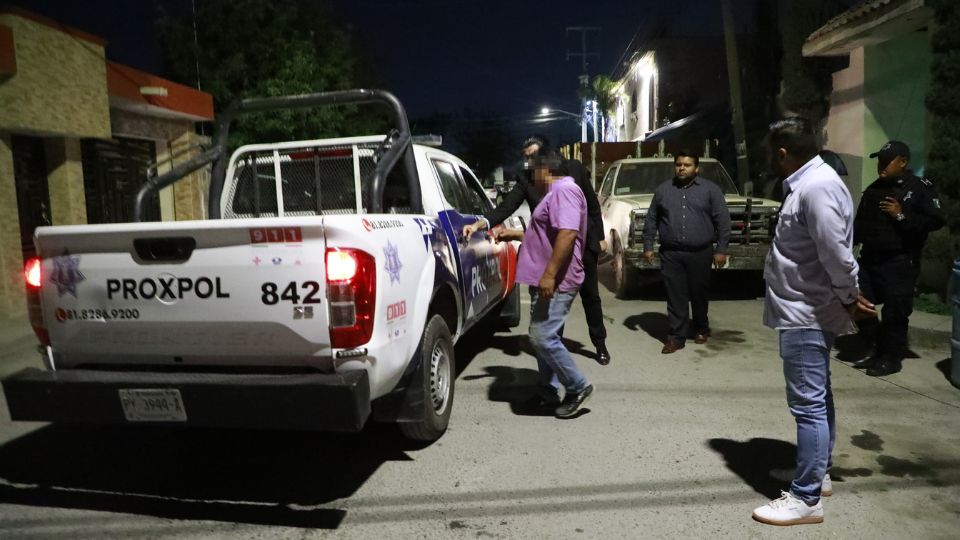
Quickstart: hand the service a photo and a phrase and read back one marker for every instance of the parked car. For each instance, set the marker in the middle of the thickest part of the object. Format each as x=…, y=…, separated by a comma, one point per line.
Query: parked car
x=625, y=196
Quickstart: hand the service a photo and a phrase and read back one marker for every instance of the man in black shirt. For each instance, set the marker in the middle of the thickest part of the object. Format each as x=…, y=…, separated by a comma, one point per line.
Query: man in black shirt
x=896, y=213
x=690, y=214
x=525, y=190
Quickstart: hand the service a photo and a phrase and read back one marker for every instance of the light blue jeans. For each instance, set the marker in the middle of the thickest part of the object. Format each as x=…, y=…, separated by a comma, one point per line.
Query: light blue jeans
x=553, y=359
x=806, y=368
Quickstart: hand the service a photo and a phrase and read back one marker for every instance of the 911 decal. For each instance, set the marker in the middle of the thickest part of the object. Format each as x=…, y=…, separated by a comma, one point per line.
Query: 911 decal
x=271, y=293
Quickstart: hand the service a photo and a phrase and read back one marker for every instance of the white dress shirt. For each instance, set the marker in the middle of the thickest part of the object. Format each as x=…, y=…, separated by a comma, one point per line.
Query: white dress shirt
x=810, y=271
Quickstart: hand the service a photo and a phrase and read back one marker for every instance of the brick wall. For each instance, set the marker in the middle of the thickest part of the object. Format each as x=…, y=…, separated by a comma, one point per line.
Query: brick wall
x=12, y=299
x=60, y=86
x=65, y=179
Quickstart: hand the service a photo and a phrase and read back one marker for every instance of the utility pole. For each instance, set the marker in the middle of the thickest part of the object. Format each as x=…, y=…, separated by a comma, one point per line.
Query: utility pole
x=584, y=85
x=583, y=54
x=736, y=99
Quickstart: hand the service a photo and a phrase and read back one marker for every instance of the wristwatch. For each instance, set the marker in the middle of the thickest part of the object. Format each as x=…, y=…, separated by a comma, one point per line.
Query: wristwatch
x=900, y=217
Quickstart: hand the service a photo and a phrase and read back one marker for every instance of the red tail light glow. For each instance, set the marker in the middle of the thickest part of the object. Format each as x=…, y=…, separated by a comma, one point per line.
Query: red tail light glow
x=351, y=296
x=33, y=277
x=341, y=265
x=31, y=272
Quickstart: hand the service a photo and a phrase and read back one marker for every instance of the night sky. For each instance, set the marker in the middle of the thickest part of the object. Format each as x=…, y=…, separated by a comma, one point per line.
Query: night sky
x=506, y=57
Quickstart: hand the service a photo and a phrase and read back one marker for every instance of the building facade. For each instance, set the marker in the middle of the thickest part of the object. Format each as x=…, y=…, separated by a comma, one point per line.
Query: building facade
x=880, y=95
x=79, y=135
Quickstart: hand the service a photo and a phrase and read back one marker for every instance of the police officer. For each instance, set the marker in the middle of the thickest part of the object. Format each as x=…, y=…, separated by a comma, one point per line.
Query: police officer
x=524, y=190
x=896, y=213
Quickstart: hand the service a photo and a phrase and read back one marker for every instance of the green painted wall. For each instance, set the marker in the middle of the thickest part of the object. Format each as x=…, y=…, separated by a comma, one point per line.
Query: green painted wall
x=896, y=79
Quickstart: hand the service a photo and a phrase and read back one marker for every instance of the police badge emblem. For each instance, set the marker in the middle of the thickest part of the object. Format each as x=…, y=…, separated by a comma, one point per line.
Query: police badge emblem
x=393, y=264
x=66, y=274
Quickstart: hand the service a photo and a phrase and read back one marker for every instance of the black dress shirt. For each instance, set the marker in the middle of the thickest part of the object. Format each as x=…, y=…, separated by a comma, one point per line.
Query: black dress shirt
x=688, y=218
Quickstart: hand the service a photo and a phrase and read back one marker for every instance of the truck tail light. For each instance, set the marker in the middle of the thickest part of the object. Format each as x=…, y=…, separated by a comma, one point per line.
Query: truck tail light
x=351, y=293
x=33, y=277
x=31, y=272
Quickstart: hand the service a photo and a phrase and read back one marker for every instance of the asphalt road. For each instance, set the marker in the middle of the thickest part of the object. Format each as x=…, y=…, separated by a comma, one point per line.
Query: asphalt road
x=672, y=446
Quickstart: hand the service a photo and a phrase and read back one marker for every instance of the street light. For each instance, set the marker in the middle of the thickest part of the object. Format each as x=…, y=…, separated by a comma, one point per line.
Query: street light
x=583, y=126
x=547, y=110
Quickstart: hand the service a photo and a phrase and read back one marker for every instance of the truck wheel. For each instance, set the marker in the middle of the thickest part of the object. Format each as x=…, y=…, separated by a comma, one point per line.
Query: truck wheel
x=510, y=309
x=438, y=372
x=626, y=277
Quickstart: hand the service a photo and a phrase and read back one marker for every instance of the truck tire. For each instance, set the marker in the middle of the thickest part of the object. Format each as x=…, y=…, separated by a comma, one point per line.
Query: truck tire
x=510, y=309
x=626, y=278
x=437, y=377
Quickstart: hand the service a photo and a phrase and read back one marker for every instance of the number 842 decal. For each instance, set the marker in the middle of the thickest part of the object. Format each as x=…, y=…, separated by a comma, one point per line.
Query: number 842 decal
x=306, y=292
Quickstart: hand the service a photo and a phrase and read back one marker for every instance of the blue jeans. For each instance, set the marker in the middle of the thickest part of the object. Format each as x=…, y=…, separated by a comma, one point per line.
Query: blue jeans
x=806, y=368
x=553, y=359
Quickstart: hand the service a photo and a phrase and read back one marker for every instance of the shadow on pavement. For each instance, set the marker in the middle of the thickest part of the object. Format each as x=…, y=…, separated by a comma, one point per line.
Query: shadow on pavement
x=256, y=477
x=515, y=386
x=654, y=324
x=945, y=366
x=756, y=459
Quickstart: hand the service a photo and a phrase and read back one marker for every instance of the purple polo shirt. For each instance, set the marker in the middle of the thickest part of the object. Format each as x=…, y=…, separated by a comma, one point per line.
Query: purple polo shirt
x=564, y=207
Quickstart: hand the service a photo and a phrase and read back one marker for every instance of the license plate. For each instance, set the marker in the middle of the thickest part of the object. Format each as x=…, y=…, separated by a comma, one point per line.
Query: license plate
x=152, y=405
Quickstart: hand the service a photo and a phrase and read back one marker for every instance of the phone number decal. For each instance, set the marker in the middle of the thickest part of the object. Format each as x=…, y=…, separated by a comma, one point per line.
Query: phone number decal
x=97, y=314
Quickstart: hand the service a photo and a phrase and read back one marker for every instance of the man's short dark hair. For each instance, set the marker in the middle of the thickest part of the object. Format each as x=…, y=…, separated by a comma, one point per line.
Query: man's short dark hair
x=538, y=140
x=689, y=154
x=551, y=162
x=795, y=135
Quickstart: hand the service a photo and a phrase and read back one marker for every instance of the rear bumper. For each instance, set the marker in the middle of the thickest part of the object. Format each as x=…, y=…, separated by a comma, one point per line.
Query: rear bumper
x=338, y=402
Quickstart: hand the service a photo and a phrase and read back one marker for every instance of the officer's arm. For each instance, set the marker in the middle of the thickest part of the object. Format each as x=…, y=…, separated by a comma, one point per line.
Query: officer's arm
x=510, y=203
x=925, y=215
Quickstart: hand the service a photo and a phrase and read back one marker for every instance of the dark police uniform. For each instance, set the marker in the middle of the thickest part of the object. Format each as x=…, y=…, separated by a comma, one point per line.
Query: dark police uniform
x=689, y=219
x=890, y=260
x=525, y=190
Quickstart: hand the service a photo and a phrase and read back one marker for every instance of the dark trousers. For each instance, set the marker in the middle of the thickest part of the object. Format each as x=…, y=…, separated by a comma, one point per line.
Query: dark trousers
x=590, y=296
x=889, y=281
x=686, y=275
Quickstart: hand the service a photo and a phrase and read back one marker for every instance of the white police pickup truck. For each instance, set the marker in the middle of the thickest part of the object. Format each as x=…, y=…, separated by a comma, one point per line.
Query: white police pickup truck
x=329, y=286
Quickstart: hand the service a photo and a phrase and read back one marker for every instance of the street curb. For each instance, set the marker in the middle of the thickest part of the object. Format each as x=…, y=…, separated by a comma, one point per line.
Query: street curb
x=928, y=329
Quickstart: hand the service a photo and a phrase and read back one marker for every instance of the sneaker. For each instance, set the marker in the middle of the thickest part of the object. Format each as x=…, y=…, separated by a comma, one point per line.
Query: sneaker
x=826, y=488
x=572, y=402
x=789, y=510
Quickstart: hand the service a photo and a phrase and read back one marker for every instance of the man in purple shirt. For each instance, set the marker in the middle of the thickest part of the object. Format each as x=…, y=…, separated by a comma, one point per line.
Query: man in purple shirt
x=551, y=264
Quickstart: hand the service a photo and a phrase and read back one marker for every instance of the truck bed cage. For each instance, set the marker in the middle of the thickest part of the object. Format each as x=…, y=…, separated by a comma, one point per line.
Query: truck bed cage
x=399, y=142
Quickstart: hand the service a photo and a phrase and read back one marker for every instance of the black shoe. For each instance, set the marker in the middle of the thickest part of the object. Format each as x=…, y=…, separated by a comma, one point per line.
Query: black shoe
x=868, y=362
x=572, y=402
x=603, y=355
x=886, y=366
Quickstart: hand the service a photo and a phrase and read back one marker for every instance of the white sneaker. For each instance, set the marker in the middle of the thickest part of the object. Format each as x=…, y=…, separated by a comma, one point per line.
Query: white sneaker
x=789, y=510
x=826, y=488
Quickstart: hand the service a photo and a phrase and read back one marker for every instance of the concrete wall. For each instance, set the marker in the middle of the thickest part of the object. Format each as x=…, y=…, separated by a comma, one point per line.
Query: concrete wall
x=60, y=86
x=845, y=125
x=897, y=77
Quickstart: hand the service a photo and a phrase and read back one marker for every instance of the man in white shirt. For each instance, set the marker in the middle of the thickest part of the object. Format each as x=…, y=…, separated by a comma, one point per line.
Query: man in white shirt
x=812, y=296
